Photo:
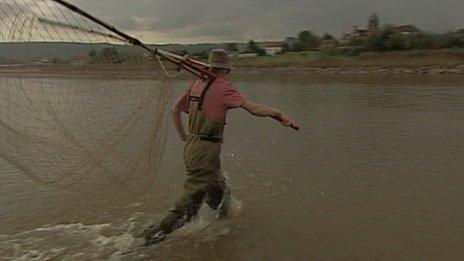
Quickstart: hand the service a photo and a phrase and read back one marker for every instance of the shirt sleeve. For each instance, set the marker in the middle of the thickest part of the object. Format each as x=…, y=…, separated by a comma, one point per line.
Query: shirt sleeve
x=232, y=97
x=182, y=102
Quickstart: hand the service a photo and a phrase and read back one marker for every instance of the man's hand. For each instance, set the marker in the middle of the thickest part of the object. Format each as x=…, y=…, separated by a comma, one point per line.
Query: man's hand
x=286, y=120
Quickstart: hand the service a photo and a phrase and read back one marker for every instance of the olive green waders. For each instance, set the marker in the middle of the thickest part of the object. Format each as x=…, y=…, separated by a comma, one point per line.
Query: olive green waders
x=204, y=179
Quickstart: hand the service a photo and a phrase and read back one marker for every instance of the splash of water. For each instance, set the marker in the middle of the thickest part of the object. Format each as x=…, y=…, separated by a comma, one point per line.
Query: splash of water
x=109, y=241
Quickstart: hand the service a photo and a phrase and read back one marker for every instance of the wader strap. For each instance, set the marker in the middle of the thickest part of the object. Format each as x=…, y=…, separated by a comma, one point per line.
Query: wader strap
x=201, y=98
x=203, y=94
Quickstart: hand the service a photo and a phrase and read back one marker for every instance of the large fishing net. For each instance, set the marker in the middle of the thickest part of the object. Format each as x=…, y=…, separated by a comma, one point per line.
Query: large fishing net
x=77, y=102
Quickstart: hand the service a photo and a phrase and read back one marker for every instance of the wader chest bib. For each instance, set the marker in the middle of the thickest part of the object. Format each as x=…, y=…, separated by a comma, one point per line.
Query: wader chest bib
x=203, y=145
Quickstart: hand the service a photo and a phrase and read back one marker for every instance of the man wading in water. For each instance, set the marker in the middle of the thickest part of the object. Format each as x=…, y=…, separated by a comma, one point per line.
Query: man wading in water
x=206, y=103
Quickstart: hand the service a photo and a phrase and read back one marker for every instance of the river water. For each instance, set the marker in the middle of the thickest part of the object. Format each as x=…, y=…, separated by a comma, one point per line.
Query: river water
x=374, y=174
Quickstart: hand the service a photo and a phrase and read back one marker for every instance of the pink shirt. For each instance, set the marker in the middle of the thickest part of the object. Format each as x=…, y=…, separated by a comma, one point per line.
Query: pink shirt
x=220, y=98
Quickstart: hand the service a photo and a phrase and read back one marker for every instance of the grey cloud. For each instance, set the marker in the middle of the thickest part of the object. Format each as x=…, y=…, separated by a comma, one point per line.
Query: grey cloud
x=268, y=19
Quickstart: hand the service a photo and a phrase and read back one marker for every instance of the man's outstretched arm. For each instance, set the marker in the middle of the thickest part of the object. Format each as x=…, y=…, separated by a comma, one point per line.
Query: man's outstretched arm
x=261, y=110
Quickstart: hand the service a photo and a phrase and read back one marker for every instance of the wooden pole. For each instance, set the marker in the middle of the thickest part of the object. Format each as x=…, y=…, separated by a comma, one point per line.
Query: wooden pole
x=197, y=68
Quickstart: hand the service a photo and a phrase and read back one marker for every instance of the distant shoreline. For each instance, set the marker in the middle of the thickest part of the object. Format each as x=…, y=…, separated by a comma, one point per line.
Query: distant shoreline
x=278, y=70
x=443, y=62
x=361, y=70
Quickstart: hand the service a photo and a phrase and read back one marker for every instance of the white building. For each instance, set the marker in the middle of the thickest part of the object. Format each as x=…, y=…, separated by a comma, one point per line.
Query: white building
x=273, y=48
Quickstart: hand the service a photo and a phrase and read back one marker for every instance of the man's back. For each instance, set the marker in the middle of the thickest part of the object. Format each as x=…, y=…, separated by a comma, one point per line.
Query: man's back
x=220, y=97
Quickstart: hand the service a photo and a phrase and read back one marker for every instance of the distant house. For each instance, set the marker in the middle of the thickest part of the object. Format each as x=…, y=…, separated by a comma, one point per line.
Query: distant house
x=407, y=29
x=272, y=48
x=360, y=33
x=356, y=33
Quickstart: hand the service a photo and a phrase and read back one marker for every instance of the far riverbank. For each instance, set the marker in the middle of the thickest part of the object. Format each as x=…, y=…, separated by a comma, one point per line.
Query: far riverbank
x=434, y=62
x=431, y=62
x=365, y=70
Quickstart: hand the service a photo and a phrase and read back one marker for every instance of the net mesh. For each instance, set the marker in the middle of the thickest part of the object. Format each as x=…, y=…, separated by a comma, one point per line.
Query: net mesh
x=77, y=104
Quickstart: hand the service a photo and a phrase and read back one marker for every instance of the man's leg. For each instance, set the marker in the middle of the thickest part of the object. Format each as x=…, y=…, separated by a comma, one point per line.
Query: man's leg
x=218, y=195
x=185, y=209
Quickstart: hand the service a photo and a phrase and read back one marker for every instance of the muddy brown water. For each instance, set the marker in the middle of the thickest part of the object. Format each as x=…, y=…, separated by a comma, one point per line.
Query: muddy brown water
x=374, y=174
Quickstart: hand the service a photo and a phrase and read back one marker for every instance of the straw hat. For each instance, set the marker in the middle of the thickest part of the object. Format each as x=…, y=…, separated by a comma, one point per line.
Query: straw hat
x=219, y=58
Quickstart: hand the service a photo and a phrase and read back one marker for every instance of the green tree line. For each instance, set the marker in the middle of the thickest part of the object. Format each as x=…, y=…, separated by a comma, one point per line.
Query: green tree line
x=111, y=55
x=387, y=39
x=384, y=40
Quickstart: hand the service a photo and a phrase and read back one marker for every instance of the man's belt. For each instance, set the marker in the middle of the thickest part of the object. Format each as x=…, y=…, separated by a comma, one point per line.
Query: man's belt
x=207, y=138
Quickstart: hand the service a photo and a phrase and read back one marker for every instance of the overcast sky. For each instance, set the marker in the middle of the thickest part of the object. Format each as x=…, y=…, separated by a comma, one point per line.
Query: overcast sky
x=193, y=21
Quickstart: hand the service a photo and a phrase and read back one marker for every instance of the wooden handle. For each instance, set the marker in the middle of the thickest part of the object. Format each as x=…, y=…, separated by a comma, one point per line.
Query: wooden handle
x=197, y=68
